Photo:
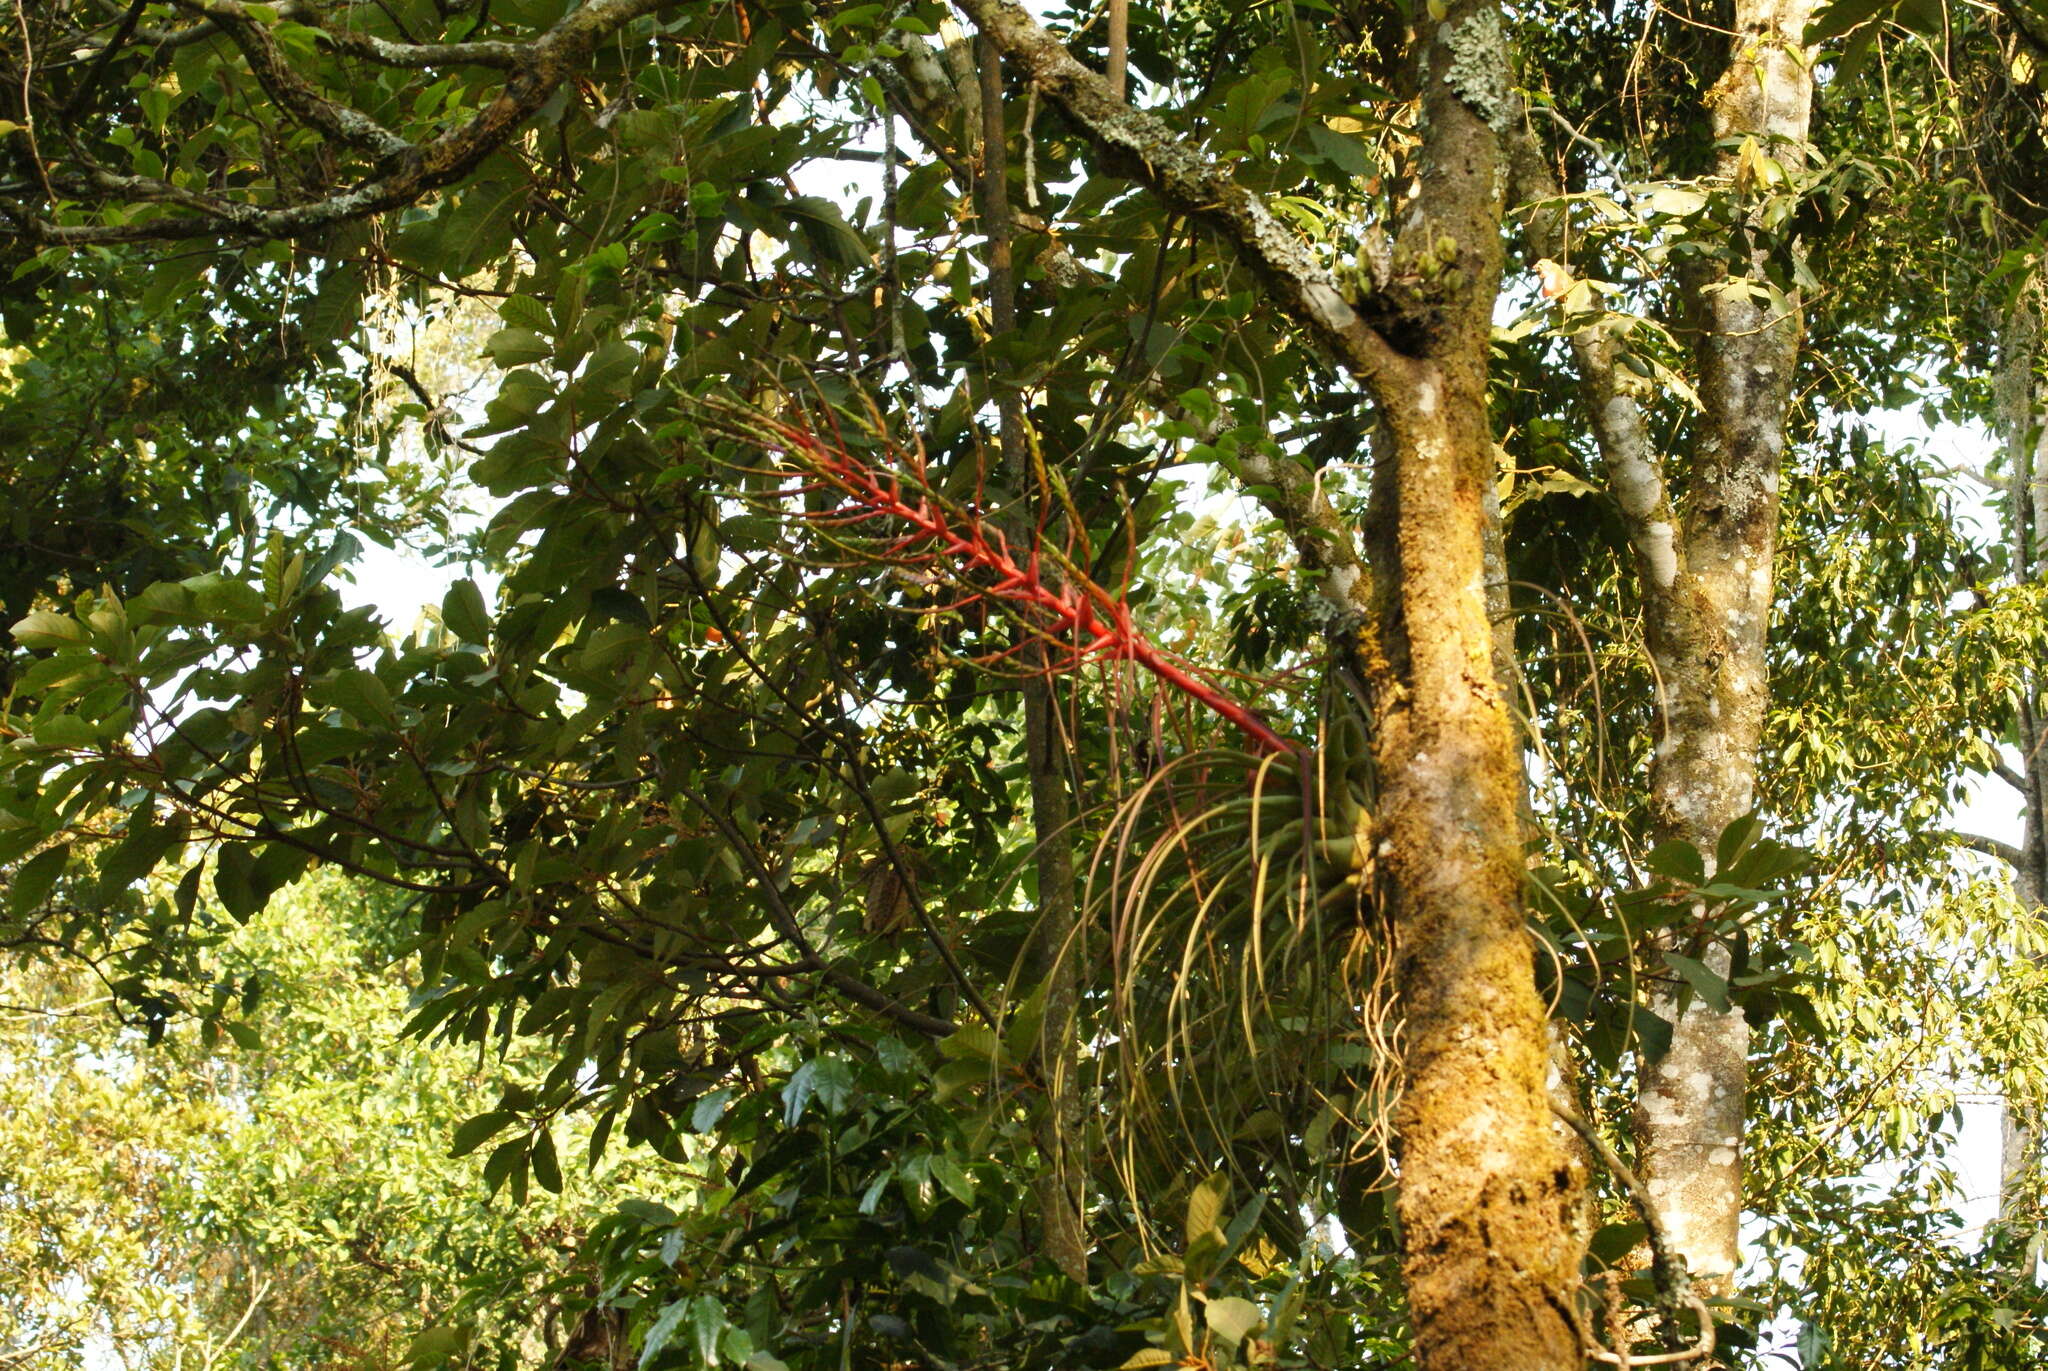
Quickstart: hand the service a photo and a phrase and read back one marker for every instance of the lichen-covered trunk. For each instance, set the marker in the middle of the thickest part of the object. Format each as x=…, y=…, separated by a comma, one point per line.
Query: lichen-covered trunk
x=1486, y=1188
x=2021, y=393
x=2024, y=402
x=1707, y=572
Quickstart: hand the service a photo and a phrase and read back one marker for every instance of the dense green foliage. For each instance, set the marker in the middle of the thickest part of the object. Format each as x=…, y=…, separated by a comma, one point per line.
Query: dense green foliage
x=679, y=871
x=275, y=1194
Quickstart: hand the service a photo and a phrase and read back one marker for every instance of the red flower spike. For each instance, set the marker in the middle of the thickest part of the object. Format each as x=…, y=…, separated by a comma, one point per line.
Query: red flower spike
x=1098, y=623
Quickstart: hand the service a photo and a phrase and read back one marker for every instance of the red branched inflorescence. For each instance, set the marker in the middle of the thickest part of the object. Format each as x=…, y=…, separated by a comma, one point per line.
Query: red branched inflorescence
x=1095, y=623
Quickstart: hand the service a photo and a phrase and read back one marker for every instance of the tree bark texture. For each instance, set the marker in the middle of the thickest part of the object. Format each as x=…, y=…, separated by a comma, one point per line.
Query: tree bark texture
x=1487, y=1190
x=1486, y=1187
x=1485, y=1184
x=2021, y=393
x=1706, y=567
x=1703, y=537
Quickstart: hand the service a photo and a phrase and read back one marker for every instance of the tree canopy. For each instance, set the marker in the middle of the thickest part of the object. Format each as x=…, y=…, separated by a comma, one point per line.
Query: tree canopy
x=1216, y=685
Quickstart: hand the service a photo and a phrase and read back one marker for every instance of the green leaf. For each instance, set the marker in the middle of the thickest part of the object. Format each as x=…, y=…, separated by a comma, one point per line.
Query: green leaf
x=547, y=1167
x=1735, y=840
x=436, y=1345
x=954, y=1178
x=463, y=611
x=476, y=1131
x=1676, y=201
x=706, y=1113
x=707, y=1318
x=1340, y=150
x=796, y=1094
x=1205, y=1206
x=516, y=347
x=138, y=852
x=1842, y=16
x=831, y=241
x=59, y=670
x=507, y=1166
x=35, y=878
x=363, y=695
x=1204, y=1253
x=1020, y=1036
x=1148, y=1356
x=971, y=1041
x=276, y=866
x=186, y=897
x=647, y=1211
x=44, y=629
x=234, y=881
x=1615, y=1241
x=527, y=312
x=610, y=367
x=954, y=1077
x=1678, y=861
x=609, y=602
x=221, y=599
x=66, y=731
x=1708, y=986
x=832, y=1081
x=1232, y=1319
x=663, y=1330
x=871, y=1198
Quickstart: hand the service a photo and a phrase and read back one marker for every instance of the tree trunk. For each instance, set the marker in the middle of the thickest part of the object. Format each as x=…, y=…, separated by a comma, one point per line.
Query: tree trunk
x=2021, y=392
x=1061, y=1189
x=1486, y=1187
x=1703, y=547
x=1707, y=584
x=1487, y=1191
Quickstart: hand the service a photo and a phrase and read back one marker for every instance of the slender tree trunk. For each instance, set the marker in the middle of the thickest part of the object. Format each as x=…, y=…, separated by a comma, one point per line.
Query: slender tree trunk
x=1062, y=1183
x=2021, y=392
x=1119, y=46
x=1703, y=545
x=1707, y=596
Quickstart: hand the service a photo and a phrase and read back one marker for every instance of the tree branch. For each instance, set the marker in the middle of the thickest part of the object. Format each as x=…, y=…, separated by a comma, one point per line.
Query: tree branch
x=107, y=50
x=1635, y=470
x=291, y=94
x=416, y=171
x=1190, y=182
x=1991, y=847
x=786, y=922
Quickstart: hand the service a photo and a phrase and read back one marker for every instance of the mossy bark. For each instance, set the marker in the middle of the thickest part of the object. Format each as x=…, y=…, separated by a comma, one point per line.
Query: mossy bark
x=1703, y=533
x=2021, y=394
x=1487, y=1190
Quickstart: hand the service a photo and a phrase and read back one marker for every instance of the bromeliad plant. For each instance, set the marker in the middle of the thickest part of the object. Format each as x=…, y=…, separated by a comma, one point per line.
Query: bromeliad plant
x=1048, y=593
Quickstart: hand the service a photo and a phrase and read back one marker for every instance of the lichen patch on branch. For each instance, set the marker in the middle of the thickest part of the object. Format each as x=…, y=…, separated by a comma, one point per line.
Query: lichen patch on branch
x=1478, y=70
